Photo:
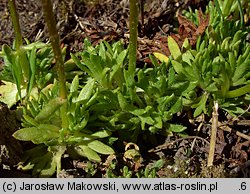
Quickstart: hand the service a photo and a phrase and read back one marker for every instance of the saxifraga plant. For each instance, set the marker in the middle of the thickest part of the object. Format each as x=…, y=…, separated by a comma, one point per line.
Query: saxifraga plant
x=218, y=68
x=27, y=67
x=56, y=121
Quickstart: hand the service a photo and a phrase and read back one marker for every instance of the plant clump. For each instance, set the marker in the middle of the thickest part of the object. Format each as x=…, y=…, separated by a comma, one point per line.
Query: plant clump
x=90, y=105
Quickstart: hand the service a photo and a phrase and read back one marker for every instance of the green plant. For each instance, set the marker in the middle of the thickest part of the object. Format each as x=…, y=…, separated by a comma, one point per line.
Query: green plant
x=220, y=10
x=27, y=66
x=39, y=60
x=42, y=125
x=53, y=120
x=154, y=105
x=109, y=99
x=217, y=68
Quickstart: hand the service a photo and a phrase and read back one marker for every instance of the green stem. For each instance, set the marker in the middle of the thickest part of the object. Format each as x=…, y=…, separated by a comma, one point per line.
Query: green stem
x=23, y=62
x=15, y=22
x=238, y=92
x=55, y=42
x=133, y=22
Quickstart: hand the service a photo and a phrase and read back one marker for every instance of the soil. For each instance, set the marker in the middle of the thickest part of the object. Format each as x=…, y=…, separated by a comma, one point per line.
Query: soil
x=108, y=20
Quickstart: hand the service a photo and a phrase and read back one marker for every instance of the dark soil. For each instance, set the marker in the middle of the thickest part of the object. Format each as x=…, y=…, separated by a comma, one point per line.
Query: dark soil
x=108, y=20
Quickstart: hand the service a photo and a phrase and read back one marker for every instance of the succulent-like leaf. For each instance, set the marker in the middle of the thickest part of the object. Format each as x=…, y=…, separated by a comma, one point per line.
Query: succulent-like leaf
x=100, y=147
x=177, y=66
x=176, y=128
x=174, y=48
x=101, y=134
x=86, y=91
x=74, y=85
x=85, y=151
x=161, y=57
x=49, y=109
x=40, y=134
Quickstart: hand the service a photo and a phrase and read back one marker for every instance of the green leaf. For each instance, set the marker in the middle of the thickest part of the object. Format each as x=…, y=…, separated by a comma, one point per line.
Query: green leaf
x=146, y=119
x=121, y=57
x=240, y=70
x=158, y=120
x=102, y=51
x=176, y=128
x=188, y=57
x=86, y=91
x=177, y=106
x=101, y=134
x=174, y=48
x=201, y=106
x=40, y=134
x=227, y=4
x=153, y=59
x=122, y=101
x=177, y=66
x=83, y=122
x=38, y=45
x=80, y=65
x=85, y=151
x=41, y=163
x=32, y=60
x=74, y=85
x=186, y=44
x=159, y=164
x=48, y=169
x=100, y=147
x=49, y=109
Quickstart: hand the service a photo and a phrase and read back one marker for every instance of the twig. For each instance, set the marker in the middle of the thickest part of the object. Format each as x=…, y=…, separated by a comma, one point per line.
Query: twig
x=167, y=144
x=213, y=135
x=230, y=130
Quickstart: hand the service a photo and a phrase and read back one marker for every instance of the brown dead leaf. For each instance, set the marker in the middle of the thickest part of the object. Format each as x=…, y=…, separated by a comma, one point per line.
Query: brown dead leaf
x=241, y=151
x=220, y=143
x=188, y=29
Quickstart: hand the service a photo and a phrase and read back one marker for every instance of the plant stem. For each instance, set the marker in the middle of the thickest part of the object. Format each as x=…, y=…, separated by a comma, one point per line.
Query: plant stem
x=54, y=38
x=15, y=22
x=23, y=62
x=213, y=135
x=133, y=22
x=55, y=42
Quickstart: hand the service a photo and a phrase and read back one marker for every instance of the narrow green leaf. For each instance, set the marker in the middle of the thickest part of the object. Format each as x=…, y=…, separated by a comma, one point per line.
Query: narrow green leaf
x=85, y=151
x=32, y=61
x=80, y=65
x=177, y=66
x=227, y=4
x=75, y=84
x=176, y=128
x=39, y=134
x=201, y=106
x=177, y=106
x=122, y=101
x=86, y=91
x=101, y=134
x=174, y=48
x=49, y=109
x=100, y=147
